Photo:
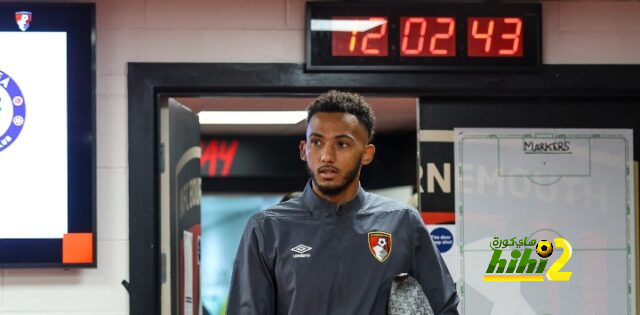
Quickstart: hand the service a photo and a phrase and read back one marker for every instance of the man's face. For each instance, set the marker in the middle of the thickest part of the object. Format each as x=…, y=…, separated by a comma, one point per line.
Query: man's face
x=336, y=147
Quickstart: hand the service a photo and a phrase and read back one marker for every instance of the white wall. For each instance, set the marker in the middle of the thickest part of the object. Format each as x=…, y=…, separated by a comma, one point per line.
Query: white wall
x=232, y=31
x=591, y=32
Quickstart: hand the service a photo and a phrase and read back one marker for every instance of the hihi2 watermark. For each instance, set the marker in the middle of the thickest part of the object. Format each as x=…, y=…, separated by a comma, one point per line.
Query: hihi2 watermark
x=521, y=266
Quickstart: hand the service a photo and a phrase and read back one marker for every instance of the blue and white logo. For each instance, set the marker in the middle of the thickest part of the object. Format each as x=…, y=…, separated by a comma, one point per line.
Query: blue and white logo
x=442, y=238
x=12, y=111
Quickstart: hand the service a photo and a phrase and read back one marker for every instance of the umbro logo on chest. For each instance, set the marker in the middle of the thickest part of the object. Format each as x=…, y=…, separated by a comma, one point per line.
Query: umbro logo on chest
x=301, y=251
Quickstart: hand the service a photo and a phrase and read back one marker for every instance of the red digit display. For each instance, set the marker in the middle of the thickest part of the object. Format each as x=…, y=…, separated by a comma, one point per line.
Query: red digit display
x=423, y=36
x=494, y=37
x=427, y=36
x=360, y=36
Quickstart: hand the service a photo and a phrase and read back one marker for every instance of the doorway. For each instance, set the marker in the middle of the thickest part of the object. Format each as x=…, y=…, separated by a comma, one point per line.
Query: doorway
x=249, y=166
x=149, y=82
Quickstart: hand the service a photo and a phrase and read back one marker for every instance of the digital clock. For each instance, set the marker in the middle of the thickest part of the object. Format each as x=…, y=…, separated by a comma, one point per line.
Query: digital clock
x=423, y=37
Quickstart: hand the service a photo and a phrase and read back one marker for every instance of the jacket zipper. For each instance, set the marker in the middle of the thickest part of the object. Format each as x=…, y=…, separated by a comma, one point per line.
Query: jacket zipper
x=338, y=210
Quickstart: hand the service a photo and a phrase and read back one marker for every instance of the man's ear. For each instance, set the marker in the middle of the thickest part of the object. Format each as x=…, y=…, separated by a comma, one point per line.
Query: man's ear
x=303, y=151
x=369, y=152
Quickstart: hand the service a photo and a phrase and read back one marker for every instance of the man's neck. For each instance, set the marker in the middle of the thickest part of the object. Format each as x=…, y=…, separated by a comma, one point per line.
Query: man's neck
x=343, y=197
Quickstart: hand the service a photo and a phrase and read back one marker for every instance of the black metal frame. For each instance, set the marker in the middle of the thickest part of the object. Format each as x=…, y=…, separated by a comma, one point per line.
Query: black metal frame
x=78, y=21
x=146, y=81
x=318, y=43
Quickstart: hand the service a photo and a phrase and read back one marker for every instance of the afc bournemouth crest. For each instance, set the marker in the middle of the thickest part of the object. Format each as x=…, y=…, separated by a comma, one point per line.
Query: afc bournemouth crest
x=380, y=245
x=23, y=19
x=12, y=111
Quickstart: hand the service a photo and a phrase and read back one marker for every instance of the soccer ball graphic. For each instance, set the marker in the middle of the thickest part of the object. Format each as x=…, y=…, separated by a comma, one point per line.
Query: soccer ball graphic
x=382, y=242
x=544, y=248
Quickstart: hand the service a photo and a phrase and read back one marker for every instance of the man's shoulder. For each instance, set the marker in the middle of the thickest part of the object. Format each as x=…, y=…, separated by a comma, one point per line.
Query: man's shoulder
x=379, y=203
x=286, y=209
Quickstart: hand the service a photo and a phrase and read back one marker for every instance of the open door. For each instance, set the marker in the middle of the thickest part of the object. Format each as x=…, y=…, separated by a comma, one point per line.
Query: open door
x=180, y=219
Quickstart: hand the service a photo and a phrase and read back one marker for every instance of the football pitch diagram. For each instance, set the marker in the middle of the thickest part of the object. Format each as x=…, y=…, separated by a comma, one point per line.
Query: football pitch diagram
x=545, y=185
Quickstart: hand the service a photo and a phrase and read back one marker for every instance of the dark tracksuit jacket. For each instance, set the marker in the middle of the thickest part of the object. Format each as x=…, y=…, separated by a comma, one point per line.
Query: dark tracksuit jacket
x=310, y=256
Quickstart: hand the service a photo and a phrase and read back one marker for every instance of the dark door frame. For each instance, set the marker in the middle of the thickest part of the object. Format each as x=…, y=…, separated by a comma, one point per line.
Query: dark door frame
x=147, y=81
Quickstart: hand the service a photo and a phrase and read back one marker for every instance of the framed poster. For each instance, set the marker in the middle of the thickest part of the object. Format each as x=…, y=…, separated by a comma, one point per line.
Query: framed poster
x=47, y=135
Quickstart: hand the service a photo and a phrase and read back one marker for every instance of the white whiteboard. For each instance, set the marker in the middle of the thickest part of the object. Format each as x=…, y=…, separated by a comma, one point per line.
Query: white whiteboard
x=543, y=184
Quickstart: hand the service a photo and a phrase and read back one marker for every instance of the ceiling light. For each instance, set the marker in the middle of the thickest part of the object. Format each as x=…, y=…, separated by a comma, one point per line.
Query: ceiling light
x=251, y=117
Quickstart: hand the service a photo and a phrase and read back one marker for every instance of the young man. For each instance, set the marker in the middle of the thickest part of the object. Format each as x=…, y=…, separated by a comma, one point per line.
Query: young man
x=335, y=249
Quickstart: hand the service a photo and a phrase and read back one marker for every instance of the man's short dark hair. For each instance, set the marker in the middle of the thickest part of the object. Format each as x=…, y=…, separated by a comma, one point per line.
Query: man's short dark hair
x=344, y=102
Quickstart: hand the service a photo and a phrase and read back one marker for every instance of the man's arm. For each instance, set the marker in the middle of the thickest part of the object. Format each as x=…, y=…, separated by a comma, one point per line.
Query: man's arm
x=253, y=287
x=431, y=272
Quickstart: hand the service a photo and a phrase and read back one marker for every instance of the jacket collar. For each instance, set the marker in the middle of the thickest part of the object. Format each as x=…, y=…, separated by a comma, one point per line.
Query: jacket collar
x=325, y=208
